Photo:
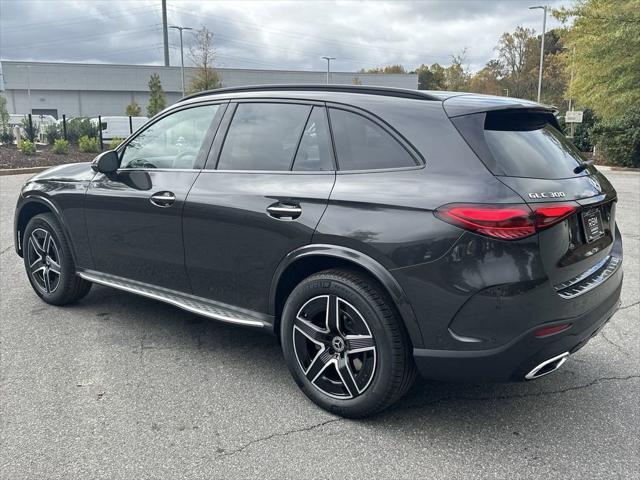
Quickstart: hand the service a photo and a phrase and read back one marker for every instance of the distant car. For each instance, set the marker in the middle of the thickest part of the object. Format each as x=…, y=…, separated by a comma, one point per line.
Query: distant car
x=118, y=126
x=375, y=231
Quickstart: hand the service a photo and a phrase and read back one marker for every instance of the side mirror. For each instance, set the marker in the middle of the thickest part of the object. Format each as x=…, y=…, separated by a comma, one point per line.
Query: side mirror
x=106, y=162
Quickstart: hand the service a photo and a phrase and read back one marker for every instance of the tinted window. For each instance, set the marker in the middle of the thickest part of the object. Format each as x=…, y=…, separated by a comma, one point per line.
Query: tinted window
x=314, y=152
x=522, y=144
x=172, y=142
x=362, y=145
x=263, y=136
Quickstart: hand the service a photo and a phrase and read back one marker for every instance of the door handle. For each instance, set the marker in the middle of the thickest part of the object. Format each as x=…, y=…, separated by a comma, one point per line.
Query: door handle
x=283, y=210
x=162, y=199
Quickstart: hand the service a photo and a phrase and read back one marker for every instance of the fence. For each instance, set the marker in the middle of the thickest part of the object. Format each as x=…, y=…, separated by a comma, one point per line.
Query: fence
x=46, y=129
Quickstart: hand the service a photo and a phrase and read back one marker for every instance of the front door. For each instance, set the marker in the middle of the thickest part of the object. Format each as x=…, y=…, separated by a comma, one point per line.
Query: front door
x=274, y=174
x=134, y=217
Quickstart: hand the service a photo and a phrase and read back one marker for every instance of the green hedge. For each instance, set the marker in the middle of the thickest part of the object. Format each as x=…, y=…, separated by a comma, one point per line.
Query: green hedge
x=617, y=141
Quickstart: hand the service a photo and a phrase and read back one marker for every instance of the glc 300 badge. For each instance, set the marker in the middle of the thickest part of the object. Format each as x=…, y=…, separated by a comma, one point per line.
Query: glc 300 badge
x=535, y=195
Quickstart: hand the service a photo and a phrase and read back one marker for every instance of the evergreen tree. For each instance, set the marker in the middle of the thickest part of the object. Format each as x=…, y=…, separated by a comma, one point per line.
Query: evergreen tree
x=157, y=101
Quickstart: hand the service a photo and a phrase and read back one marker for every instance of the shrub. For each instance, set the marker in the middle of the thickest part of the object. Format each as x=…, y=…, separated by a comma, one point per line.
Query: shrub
x=79, y=127
x=617, y=141
x=27, y=147
x=6, y=137
x=60, y=146
x=133, y=110
x=52, y=133
x=115, y=143
x=30, y=129
x=88, y=144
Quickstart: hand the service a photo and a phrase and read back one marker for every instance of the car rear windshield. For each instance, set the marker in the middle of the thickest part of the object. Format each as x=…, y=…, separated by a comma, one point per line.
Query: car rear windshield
x=521, y=143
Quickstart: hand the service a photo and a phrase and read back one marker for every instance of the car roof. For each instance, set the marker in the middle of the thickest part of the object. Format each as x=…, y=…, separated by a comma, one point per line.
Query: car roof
x=454, y=103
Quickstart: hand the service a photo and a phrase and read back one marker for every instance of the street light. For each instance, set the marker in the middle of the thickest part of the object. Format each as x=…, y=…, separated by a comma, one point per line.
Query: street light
x=328, y=59
x=544, y=27
x=181, y=52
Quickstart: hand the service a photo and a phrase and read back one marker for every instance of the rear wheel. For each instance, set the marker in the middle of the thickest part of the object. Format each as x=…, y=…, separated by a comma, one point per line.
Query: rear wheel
x=49, y=264
x=345, y=345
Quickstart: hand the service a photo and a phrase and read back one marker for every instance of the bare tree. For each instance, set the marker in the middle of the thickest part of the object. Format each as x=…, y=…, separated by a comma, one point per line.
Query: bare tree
x=202, y=55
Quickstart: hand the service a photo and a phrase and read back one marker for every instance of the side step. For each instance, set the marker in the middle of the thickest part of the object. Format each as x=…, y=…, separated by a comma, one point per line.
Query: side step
x=201, y=306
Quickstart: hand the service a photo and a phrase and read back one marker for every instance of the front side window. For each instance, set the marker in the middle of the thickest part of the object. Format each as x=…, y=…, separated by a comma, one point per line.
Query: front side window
x=172, y=142
x=363, y=145
x=263, y=136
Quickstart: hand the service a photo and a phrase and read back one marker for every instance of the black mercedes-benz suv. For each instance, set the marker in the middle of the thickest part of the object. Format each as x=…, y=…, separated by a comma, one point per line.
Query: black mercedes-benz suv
x=375, y=231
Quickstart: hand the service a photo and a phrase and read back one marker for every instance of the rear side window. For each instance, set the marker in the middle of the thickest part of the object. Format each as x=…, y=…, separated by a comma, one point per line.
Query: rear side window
x=263, y=136
x=314, y=152
x=363, y=145
x=521, y=144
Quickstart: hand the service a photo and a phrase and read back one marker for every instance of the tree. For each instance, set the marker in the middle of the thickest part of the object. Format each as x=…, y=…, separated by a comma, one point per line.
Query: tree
x=157, y=101
x=133, y=109
x=488, y=80
x=606, y=37
x=515, y=52
x=4, y=114
x=202, y=55
x=457, y=74
x=386, y=69
x=431, y=77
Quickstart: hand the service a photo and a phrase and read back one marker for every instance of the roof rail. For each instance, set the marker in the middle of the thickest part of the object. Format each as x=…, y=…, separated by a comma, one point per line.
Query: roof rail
x=362, y=89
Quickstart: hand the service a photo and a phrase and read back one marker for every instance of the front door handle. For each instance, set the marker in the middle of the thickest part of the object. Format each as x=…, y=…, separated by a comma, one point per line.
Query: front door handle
x=162, y=199
x=283, y=210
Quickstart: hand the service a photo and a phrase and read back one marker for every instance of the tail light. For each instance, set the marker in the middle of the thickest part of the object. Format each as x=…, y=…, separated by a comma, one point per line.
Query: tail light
x=505, y=221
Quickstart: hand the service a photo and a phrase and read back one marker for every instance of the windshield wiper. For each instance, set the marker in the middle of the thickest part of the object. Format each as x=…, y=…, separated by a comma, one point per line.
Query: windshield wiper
x=582, y=167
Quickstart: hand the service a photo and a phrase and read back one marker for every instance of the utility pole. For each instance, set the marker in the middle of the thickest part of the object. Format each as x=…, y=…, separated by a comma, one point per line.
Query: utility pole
x=165, y=33
x=180, y=29
x=544, y=28
x=328, y=59
x=573, y=125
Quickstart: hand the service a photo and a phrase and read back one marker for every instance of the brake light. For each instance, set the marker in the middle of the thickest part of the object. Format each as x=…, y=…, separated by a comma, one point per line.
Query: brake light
x=506, y=222
x=547, y=331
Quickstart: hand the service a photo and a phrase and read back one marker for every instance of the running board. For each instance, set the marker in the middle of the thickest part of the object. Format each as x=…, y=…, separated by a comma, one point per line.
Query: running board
x=201, y=306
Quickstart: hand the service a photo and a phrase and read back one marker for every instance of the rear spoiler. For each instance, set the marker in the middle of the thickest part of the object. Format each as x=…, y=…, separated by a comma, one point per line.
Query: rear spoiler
x=465, y=104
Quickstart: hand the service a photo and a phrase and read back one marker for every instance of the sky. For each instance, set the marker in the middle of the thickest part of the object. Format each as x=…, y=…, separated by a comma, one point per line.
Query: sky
x=291, y=35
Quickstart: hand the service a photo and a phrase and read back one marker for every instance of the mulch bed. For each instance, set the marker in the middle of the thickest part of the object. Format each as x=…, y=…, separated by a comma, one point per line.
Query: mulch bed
x=11, y=157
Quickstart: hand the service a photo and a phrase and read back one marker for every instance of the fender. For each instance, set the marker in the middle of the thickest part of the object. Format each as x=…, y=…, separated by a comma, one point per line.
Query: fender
x=377, y=270
x=35, y=198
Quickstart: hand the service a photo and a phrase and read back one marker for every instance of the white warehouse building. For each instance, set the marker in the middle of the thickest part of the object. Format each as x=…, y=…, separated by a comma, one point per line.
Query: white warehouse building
x=89, y=90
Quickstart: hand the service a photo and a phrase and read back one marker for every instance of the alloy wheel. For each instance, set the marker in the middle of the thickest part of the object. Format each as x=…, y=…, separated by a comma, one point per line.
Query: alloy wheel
x=43, y=258
x=334, y=347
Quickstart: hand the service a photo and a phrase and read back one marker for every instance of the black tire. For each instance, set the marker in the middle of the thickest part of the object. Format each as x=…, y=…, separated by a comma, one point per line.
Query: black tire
x=45, y=252
x=378, y=376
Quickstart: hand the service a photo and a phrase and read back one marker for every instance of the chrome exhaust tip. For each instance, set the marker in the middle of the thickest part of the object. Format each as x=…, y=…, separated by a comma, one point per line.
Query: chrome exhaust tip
x=548, y=366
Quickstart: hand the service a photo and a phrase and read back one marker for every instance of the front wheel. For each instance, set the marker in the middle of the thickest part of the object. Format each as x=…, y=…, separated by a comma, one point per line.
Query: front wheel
x=345, y=344
x=49, y=264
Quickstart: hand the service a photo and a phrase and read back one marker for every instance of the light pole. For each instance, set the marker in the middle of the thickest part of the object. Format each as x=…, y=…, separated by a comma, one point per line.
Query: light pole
x=180, y=29
x=328, y=59
x=544, y=27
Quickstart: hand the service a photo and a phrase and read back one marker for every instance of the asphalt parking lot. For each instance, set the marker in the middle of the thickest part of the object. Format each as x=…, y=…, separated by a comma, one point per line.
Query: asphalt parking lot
x=119, y=386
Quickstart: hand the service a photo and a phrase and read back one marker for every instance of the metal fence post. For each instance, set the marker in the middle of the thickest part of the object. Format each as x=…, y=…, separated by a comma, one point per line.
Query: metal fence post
x=130, y=125
x=64, y=126
x=31, y=133
x=100, y=132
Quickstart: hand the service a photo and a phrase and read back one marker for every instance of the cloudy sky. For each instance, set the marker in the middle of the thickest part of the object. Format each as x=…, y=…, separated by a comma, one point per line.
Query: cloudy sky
x=265, y=34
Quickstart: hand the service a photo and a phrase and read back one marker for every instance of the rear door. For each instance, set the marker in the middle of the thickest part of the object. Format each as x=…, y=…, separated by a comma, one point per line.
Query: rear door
x=264, y=189
x=525, y=150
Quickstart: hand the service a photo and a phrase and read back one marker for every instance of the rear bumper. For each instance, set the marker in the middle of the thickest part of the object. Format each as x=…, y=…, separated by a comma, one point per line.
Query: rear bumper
x=511, y=362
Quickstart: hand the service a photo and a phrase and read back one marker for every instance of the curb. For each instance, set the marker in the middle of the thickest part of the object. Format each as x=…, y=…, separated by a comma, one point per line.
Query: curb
x=21, y=171
x=607, y=168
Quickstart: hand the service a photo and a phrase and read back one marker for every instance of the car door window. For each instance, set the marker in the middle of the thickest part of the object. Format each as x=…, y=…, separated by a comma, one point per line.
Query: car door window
x=263, y=136
x=314, y=152
x=172, y=142
x=363, y=145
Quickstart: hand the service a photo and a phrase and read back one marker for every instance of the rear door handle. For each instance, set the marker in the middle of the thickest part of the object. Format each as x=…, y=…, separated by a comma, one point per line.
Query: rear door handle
x=283, y=210
x=163, y=199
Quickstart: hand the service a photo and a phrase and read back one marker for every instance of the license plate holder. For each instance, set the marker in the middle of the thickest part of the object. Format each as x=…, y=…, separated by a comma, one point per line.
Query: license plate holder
x=592, y=223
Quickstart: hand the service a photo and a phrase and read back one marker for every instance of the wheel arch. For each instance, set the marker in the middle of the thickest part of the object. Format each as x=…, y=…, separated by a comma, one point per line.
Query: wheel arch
x=32, y=206
x=311, y=259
